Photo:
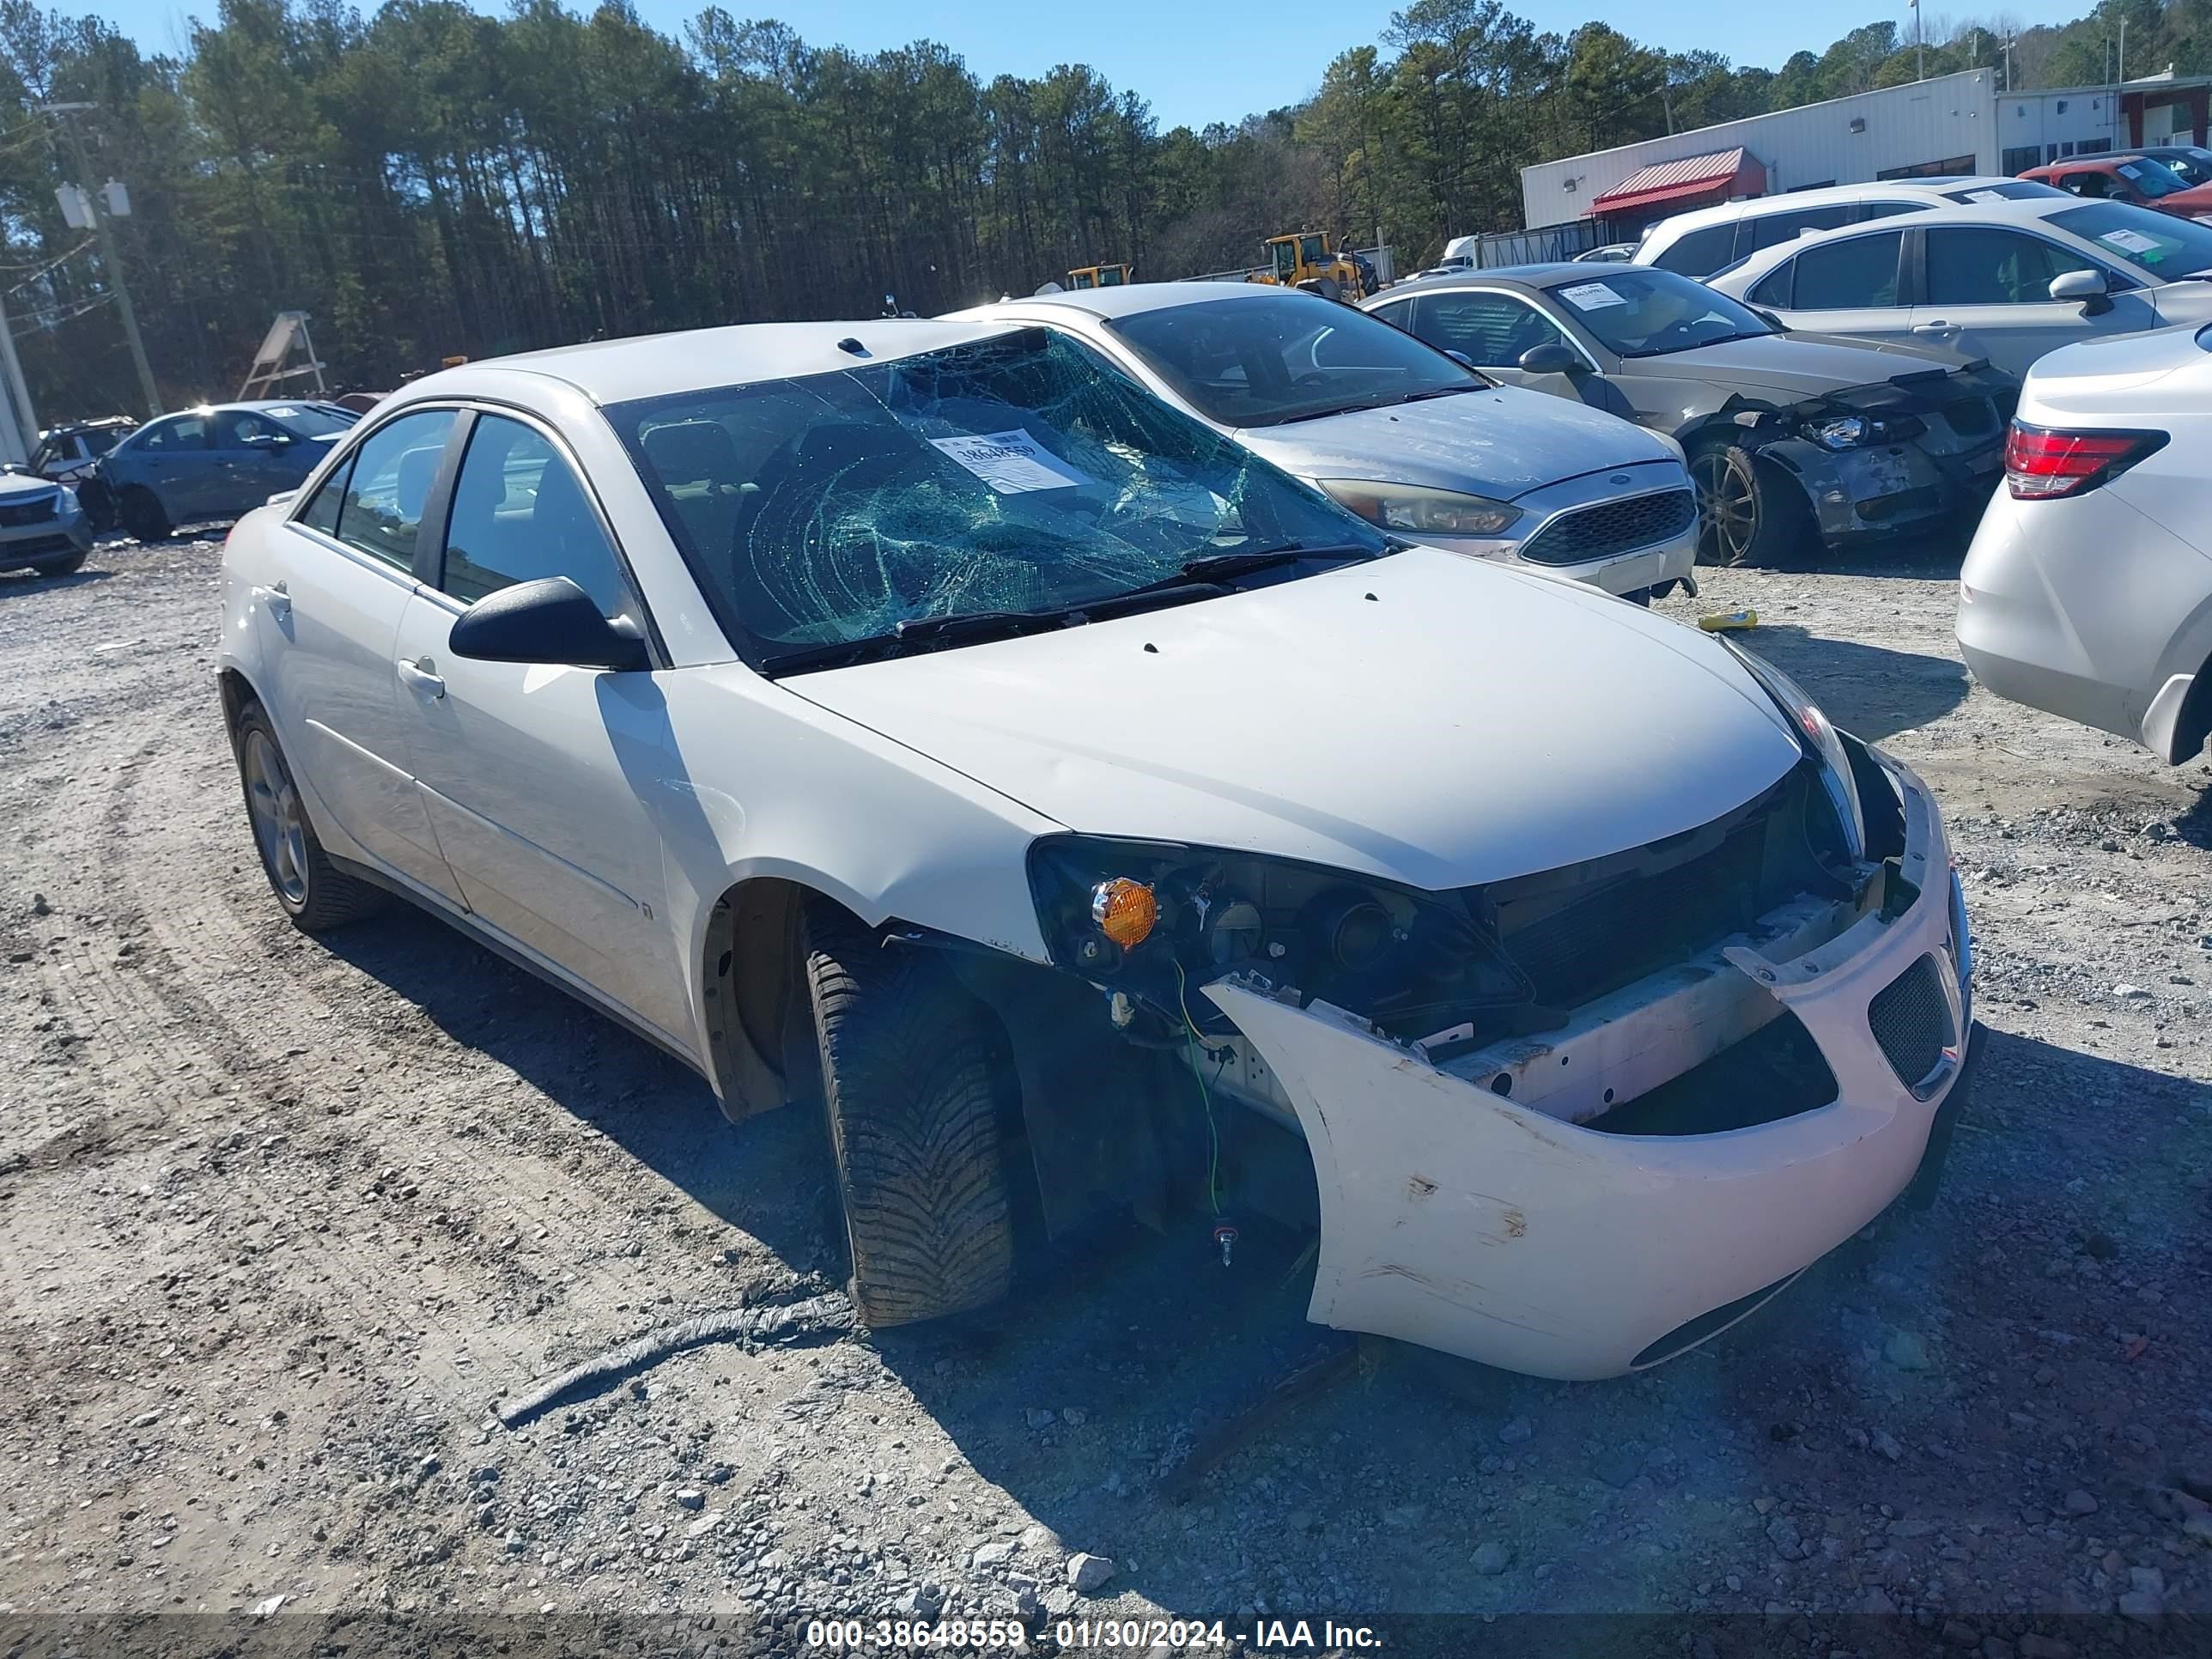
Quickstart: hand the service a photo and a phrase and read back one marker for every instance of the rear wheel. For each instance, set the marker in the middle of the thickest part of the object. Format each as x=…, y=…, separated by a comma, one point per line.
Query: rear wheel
x=1746, y=515
x=143, y=516
x=315, y=894
x=907, y=1083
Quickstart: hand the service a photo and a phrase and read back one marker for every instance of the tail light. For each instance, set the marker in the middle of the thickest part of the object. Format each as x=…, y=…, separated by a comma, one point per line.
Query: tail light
x=2042, y=463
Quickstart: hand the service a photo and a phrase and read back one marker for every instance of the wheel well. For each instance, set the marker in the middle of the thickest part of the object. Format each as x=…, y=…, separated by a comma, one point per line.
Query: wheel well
x=748, y=987
x=237, y=692
x=2194, y=724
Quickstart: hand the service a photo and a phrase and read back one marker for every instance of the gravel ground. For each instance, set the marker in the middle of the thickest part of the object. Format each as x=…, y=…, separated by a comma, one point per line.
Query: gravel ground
x=279, y=1220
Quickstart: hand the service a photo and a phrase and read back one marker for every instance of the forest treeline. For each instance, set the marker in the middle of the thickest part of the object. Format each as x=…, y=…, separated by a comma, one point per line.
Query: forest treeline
x=425, y=180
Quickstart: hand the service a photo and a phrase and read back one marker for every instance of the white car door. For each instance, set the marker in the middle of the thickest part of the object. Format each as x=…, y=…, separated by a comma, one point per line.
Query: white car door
x=1842, y=285
x=537, y=775
x=341, y=574
x=1987, y=290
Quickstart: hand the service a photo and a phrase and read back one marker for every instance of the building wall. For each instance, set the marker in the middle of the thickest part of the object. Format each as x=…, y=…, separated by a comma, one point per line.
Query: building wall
x=1929, y=121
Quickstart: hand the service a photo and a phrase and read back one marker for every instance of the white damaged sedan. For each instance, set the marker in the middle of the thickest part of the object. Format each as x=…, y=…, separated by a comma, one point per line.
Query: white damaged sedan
x=922, y=724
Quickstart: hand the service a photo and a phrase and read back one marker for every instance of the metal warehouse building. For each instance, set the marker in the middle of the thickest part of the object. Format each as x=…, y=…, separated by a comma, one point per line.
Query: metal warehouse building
x=1954, y=123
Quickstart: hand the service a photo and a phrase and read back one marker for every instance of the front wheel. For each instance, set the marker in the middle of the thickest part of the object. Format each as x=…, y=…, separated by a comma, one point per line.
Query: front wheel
x=144, y=519
x=63, y=564
x=314, y=893
x=906, y=1082
x=1746, y=514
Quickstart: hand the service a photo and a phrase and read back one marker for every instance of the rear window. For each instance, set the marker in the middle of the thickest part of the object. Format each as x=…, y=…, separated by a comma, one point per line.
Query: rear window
x=1699, y=253
x=2161, y=245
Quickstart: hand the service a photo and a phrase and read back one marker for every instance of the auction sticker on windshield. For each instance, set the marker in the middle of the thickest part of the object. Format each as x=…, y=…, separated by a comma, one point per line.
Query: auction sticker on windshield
x=1011, y=462
x=2130, y=241
x=1591, y=296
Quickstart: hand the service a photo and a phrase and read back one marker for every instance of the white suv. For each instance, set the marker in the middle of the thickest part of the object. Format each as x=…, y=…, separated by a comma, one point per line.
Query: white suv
x=919, y=721
x=1701, y=242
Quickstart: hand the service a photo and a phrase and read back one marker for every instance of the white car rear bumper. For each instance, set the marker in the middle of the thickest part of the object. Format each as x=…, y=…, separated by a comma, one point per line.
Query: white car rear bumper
x=1489, y=1225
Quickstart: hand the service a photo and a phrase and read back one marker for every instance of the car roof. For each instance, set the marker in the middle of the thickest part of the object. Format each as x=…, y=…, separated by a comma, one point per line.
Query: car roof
x=1543, y=276
x=697, y=360
x=1132, y=299
x=1755, y=206
x=2022, y=210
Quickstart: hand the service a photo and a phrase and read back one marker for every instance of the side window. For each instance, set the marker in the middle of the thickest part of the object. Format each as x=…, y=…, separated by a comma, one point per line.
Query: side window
x=1850, y=275
x=234, y=427
x=1971, y=266
x=1398, y=314
x=2085, y=183
x=1492, y=329
x=322, y=513
x=1772, y=229
x=519, y=515
x=390, y=483
x=1701, y=252
x=181, y=433
x=1773, y=289
x=1888, y=209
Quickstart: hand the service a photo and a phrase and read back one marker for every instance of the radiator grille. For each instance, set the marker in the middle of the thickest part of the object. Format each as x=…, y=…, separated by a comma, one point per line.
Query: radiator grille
x=1910, y=1022
x=39, y=511
x=1615, y=526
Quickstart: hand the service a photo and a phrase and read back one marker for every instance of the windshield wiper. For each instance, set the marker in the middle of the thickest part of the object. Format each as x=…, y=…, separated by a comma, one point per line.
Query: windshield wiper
x=1218, y=566
x=1440, y=391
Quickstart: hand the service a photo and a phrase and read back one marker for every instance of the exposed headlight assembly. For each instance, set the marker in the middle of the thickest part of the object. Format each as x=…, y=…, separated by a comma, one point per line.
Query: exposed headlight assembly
x=1153, y=918
x=1819, y=738
x=1842, y=432
x=1416, y=511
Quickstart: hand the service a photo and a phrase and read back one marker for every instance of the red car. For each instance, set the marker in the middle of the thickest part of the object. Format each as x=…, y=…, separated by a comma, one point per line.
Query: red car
x=2135, y=178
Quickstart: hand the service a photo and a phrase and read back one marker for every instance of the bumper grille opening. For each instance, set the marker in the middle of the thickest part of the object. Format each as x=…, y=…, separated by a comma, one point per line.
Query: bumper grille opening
x=1777, y=1072
x=43, y=510
x=1911, y=1023
x=1609, y=527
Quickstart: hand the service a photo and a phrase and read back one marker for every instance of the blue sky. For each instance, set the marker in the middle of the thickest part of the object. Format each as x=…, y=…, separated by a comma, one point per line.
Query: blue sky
x=1198, y=61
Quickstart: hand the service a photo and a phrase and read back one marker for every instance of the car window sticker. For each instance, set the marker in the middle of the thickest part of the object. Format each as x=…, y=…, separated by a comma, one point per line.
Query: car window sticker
x=1985, y=195
x=1591, y=296
x=1011, y=462
x=2130, y=241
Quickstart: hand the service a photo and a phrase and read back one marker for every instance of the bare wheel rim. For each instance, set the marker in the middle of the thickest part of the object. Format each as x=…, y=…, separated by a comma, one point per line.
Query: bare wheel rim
x=1728, y=511
x=278, y=830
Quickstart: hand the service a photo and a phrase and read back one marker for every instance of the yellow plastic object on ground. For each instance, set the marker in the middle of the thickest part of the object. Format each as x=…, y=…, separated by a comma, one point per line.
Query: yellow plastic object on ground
x=1729, y=622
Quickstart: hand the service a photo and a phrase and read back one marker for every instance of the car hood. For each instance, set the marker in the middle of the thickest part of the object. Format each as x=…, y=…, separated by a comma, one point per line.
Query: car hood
x=25, y=483
x=1502, y=443
x=1426, y=719
x=1798, y=366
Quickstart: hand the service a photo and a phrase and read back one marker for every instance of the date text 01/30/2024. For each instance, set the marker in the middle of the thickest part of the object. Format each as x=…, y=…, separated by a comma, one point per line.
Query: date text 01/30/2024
x=1081, y=1635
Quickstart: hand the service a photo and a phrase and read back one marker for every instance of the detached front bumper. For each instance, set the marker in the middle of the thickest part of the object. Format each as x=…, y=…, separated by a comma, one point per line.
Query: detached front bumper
x=1885, y=488
x=1465, y=1207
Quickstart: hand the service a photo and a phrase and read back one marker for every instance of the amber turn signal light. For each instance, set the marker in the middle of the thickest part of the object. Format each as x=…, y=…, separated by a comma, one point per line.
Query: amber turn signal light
x=1124, y=910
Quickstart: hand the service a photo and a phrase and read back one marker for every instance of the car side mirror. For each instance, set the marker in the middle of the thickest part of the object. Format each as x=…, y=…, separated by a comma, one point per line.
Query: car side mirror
x=548, y=621
x=1551, y=358
x=1460, y=358
x=2086, y=286
x=1770, y=320
x=267, y=440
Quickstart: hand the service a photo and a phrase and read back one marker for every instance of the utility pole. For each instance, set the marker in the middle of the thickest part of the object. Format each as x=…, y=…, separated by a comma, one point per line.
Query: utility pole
x=110, y=255
x=19, y=393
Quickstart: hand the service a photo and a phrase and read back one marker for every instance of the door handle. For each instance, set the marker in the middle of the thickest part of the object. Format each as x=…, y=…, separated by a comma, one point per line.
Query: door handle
x=420, y=678
x=1935, y=328
x=275, y=600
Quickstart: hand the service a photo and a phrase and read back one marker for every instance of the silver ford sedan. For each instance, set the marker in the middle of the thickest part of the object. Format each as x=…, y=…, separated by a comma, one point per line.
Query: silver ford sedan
x=1407, y=436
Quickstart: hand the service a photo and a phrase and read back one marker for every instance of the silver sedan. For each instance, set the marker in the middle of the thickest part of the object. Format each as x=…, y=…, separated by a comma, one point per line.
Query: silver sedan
x=1407, y=436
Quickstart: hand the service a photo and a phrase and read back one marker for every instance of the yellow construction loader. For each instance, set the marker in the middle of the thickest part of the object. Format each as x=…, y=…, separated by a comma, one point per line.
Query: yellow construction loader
x=1099, y=276
x=1312, y=257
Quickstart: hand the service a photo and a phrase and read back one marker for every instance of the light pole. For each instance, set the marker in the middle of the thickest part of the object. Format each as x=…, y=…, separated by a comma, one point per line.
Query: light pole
x=110, y=255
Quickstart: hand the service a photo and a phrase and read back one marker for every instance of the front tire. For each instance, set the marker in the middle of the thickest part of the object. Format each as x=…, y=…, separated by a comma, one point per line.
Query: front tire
x=316, y=895
x=1746, y=514
x=144, y=519
x=907, y=1083
x=63, y=564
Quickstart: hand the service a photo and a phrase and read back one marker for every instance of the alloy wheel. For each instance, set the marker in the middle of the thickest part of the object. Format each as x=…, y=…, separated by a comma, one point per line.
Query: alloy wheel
x=1728, y=507
x=279, y=831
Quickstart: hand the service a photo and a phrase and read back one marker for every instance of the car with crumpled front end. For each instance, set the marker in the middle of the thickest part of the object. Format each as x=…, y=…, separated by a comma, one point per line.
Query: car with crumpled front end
x=919, y=724
x=1406, y=436
x=1790, y=437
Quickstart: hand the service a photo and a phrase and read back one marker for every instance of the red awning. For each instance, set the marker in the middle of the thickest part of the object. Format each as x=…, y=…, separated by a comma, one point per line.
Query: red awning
x=1676, y=181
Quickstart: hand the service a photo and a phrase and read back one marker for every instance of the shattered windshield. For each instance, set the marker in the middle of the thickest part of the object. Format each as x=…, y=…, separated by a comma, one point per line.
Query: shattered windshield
x=1017, y=476
x=1265, y=359
x=1644, y=312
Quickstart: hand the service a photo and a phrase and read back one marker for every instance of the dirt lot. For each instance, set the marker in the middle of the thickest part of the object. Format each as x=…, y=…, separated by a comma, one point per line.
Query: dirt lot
x=279, y=1219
